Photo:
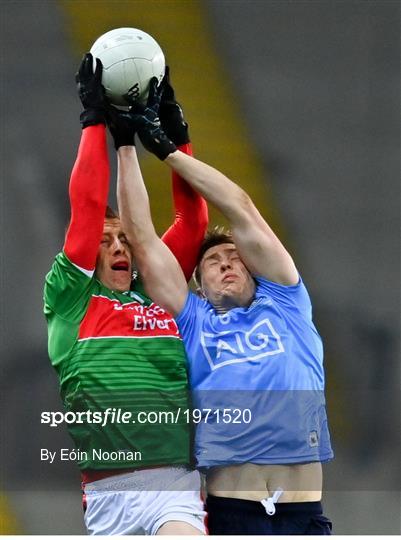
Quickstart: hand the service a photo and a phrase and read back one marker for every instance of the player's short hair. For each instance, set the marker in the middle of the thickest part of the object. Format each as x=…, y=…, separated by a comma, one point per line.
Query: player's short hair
x=218, y=235
x=110, y=213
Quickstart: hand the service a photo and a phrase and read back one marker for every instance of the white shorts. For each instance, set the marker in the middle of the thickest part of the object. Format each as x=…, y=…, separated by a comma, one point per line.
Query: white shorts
x=141, y=502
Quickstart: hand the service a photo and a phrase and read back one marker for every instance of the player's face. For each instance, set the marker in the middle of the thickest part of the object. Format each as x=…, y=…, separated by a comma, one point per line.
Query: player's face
x=114, y=259
x=225, y=279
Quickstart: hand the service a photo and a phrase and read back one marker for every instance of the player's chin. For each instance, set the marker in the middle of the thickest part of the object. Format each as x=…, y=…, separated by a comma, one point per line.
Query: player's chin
x=122, y=284
x=229, y=289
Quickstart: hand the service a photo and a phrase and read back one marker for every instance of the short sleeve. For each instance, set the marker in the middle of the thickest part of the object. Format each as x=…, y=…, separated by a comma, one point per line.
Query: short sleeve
x=67, y=290
x=290, y=296
x=187, y=319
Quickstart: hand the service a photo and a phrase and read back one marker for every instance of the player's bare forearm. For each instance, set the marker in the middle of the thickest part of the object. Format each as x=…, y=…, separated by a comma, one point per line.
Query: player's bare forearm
x=257, y=244
x=155, y=262
x=211, y=184
x=132, y=198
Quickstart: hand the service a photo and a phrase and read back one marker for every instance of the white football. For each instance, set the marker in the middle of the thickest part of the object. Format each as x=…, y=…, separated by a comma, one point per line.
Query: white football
x=130, y=58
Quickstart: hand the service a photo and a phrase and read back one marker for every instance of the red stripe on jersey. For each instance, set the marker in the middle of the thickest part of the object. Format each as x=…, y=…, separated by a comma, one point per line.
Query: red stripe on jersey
x=111, y=318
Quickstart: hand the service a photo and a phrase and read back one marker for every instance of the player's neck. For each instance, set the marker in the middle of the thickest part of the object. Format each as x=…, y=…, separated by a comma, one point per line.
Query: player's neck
x=226, y=303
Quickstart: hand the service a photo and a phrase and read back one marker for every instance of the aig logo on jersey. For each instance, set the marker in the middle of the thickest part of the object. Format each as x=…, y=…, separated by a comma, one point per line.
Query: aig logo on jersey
x=234, y=347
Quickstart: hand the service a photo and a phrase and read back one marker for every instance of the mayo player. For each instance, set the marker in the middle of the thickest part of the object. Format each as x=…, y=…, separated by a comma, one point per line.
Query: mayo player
x=251, y=344
x=113, y=348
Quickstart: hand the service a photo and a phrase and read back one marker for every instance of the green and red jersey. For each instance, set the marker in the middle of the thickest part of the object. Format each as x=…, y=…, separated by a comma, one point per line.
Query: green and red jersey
x=111, y=349
x=116, y=350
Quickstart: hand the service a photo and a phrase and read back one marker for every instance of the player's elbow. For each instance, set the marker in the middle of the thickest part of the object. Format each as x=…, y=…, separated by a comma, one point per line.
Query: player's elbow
x=243, y=205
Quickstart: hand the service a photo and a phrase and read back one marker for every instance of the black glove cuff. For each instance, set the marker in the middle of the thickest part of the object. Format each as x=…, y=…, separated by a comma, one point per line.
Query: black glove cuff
x=123, y=142
x=179, y=135
x=92, y=117
x=165, y=149
x=157, y=143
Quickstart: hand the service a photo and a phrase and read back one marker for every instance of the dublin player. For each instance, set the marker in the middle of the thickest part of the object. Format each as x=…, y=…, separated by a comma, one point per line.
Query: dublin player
x=104, y=361
x=251, y=344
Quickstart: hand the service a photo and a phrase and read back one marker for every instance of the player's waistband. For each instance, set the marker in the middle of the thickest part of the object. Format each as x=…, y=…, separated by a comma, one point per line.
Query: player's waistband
x=91, y=475
x=220, y=503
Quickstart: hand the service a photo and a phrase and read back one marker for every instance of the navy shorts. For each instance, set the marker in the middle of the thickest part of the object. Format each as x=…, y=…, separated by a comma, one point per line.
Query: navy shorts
x=239, y=516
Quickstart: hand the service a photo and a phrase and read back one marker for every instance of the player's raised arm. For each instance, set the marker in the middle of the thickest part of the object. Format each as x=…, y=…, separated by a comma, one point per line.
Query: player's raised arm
x=185, y=235
x=260, y=249
x=89, y=181
x=258, y=246
x=161, y=274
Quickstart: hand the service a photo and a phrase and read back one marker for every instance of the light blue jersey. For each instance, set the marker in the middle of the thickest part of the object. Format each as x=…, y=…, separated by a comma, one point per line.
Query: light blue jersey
x=267, y=360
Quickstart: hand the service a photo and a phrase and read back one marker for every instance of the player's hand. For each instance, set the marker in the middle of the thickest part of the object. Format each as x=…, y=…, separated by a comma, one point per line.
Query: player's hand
x=90, y=91
x=171, y=114
x=148, y=124
x=121, y=125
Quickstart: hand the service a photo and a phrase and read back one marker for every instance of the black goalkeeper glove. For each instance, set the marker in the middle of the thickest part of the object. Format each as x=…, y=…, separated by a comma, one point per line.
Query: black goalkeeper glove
x=121, y=125
x=171, y=115
x=91, y=92
x=148, y=125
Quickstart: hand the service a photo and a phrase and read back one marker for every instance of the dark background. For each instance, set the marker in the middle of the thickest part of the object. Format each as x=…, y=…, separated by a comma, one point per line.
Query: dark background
x=317, y=88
